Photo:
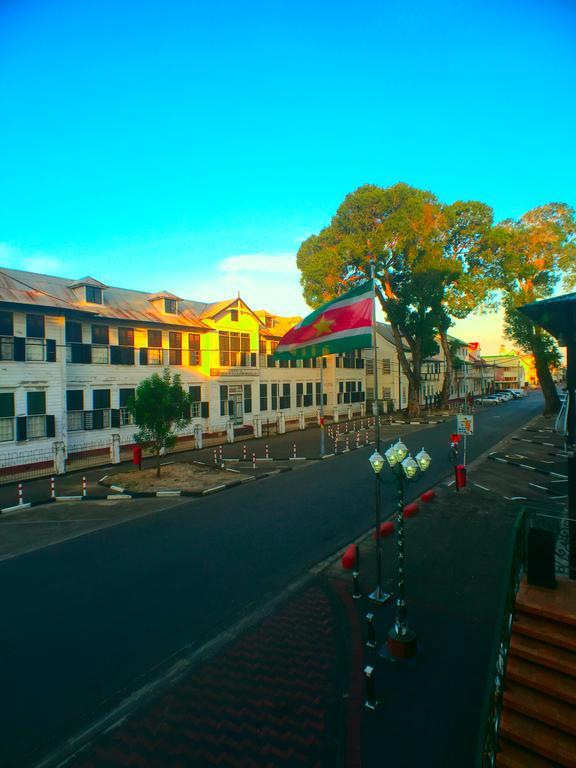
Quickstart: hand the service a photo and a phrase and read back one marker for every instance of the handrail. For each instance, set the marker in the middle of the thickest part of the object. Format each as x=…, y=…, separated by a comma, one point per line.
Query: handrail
x=492, y=706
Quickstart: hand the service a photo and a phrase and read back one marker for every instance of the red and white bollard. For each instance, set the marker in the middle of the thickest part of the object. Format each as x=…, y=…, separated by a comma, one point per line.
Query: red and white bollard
x=52, y=488
x=84, y=488
x=20, y=494
x=221, y=456
x=347, y=444
x=294, y=450
x=215, y=456
x=266, y=452
x=357, y=439
x=253, y=460
x=366, y=437
x=244, y=454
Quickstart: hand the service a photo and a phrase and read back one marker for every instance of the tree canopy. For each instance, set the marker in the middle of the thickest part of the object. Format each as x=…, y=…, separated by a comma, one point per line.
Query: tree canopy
x=159, y=408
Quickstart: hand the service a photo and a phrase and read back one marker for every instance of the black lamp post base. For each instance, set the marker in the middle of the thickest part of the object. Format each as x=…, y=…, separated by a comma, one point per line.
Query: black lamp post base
x=402, y=647
x=379, y=596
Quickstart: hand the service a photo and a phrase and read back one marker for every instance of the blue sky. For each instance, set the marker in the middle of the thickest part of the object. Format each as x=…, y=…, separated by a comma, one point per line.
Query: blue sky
x=192, y=146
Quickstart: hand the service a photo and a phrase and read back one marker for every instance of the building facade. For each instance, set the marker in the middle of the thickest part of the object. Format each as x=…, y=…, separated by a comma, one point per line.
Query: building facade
x=73, y=352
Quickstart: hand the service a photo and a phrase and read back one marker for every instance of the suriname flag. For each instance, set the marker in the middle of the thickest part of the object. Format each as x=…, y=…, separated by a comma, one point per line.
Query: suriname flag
x=340, y=325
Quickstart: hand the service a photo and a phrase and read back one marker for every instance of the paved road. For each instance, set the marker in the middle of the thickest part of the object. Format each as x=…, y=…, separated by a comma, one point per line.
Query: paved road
x=86, y=621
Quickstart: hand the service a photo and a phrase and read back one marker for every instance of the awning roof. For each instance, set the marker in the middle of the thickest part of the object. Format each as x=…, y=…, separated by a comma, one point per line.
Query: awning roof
x=556, y=315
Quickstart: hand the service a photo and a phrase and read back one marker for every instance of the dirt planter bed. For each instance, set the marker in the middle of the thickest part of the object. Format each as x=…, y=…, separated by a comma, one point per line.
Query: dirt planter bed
x=187, y=477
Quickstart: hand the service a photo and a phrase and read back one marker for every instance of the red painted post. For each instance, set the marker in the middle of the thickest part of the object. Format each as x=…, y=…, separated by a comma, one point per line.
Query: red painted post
x=52, y=488
x=20, y=494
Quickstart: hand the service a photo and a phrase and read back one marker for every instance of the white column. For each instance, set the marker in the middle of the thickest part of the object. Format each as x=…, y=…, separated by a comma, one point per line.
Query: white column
x=257, y=424
x=198, y=435
x=281, y=423
x=115, y=448
x=230, y=431
x=301, y=420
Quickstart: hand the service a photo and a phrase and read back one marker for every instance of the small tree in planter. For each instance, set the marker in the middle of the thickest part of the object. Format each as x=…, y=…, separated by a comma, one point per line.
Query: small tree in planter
x=159, y=408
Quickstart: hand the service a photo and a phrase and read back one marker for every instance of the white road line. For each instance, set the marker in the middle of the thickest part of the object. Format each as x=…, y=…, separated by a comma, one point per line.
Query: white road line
x=481, y=486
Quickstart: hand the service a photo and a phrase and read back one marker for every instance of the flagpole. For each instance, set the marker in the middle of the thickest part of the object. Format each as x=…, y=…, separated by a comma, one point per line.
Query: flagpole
x=378, y=595
x=375, y=361
x=322, y=436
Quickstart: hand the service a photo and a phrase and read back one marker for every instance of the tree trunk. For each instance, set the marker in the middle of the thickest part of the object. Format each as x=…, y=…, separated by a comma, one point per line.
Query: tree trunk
x=448, y=370
x=158, y=462
x=411, y=370
x=551, y=399
x=413, y=399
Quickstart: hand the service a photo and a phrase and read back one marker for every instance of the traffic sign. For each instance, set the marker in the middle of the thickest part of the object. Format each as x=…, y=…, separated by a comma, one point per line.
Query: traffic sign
x=464, y=424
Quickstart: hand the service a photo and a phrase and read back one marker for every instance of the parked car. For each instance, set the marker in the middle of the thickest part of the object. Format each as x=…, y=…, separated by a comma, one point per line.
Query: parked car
x=486, y=400
x=506, y=394
x=496, y=398
x=514, y=394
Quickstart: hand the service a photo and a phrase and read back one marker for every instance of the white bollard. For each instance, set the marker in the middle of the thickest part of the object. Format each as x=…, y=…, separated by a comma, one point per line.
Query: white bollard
x=221, y=456
x=244, y=454
x=253, y=460
x=266, y=453
x=294, y=450
x=52, y=488
x=215, y=456
x=84, y=487
x=347, y=444
x=20, y=494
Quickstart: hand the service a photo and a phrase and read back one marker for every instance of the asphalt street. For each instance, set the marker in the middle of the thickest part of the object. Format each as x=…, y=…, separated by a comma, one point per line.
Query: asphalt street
x=87, y=621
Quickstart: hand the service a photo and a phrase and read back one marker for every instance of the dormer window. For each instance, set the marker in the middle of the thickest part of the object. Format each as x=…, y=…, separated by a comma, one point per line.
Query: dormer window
x=234, y=315
x=93, y=295
x=170, y=306
x=269, y=321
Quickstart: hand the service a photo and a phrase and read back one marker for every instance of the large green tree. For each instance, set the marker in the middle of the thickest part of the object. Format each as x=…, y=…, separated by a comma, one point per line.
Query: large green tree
x=159, y=408
x=466, y=239
x=529, y=258
x=400, y=231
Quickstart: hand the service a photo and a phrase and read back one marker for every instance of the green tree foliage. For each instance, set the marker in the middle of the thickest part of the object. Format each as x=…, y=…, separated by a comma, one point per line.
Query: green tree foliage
x=528, y=259
x=159, y=408
x=401, y=231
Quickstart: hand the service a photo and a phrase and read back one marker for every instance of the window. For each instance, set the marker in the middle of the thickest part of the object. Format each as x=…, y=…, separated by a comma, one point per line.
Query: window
x=317, y=386
x=6, y=323
x=74, y=400
x=6, y=416
x=75, y=406
x=234, y=315
x=223, y=400
x=35, y=326
x=100, y=399
x=274, y=396
x=170, y=306
x=100, y=334
x=262, y=346
x=269, y=322
x=285, y=397
x=124, y=397
x=93, y=294
x=195, y=400
x=235, y=349
x=247, y=398
x=36, y=403
x=194, y=347
x=175, y=344
x=386, y=393
x=386, y=366
x=304, y=394
x=155, y=339
x=73, y=332
x=126, y=337
x=263, y=397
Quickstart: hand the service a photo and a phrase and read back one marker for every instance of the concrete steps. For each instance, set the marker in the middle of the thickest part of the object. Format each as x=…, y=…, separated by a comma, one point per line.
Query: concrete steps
x=538, y=725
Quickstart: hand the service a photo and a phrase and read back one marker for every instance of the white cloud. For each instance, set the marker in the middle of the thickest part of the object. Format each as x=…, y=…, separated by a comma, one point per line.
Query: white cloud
x=262, y=263
x=30, y=262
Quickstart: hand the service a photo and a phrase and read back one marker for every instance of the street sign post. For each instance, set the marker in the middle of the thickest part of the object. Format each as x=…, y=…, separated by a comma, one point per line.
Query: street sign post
x=465, y=427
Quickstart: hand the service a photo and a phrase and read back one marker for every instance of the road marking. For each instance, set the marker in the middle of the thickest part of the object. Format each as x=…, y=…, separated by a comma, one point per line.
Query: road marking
x=481, y=486
x=540, y=487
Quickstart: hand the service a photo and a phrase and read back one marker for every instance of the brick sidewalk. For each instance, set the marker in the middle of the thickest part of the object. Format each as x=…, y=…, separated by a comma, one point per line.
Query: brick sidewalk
x=273, y=699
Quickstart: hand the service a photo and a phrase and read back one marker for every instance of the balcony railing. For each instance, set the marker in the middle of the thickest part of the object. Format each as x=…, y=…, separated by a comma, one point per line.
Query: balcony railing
x=163, y=357
x=28, y=427
x=99, y=418
x=232, y=359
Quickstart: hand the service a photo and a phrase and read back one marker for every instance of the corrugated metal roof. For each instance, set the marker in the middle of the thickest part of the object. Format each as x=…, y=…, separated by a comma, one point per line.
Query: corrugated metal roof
x=19, y=287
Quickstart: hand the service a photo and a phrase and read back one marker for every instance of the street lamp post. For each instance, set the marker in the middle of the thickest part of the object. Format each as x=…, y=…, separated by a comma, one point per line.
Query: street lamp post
x=378, y=595
x=401, y=643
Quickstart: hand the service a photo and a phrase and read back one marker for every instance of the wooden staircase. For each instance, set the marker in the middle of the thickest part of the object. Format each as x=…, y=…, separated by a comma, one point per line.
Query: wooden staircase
x=538, y=725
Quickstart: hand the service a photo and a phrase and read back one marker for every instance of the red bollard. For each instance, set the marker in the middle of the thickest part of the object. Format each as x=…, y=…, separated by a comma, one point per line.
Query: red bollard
x=428, y=495
x=460, y=476
x=385, y=530
x=349, y=557
x=411, y=509
x=137, y=456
